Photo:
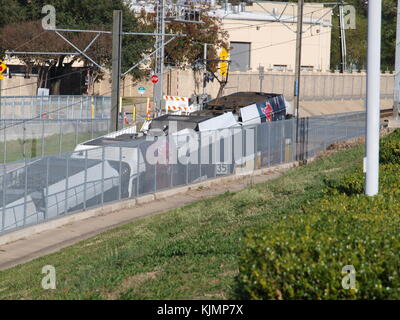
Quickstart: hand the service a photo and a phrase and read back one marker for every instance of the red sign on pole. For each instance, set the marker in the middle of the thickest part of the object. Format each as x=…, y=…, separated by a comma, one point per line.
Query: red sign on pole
x=154, y=78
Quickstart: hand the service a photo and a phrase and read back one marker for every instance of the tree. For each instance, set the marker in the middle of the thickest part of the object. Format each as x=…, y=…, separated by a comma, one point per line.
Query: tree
x=74, y=14
x=185, y=51
x=356, y=39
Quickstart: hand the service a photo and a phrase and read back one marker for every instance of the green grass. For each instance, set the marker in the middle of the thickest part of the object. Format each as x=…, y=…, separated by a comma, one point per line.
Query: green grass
x=51, y=145
x=187, y=253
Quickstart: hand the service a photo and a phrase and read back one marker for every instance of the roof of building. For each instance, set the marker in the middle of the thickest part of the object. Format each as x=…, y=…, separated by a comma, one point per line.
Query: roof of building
x=261, y=16
x=229, y=13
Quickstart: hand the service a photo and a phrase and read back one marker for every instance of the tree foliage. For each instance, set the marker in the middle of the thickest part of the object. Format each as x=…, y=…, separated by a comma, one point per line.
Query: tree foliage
x=27, y=34
x=185, y=50
x=356, y=39
x=23, y=32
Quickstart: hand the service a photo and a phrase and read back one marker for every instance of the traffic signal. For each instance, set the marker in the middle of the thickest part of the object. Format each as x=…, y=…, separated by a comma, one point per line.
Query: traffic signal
x=3, y=68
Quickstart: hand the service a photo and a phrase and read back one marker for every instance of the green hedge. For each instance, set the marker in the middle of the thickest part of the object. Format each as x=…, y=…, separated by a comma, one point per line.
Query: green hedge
x=390, y=148
x=353, y=184
x=302, y=256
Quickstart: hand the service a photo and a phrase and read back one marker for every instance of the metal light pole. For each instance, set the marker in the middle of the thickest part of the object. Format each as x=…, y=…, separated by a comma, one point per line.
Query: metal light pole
x=296, y=98
x=160, y=43
x=116, y=68
x=373, y=97
x=396, y=105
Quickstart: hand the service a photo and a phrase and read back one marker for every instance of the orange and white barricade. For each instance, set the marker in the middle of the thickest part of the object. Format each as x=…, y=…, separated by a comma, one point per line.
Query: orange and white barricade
x=178, y=105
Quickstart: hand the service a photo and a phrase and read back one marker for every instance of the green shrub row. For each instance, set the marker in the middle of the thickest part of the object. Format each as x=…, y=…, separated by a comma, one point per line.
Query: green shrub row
x=302, y=256
x=390, y=149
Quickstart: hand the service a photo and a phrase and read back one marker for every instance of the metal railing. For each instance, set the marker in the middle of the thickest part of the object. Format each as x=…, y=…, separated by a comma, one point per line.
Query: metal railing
x=40, y=189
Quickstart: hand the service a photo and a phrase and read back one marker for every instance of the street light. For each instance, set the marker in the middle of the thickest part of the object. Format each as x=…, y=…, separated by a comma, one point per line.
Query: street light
x=373, y=98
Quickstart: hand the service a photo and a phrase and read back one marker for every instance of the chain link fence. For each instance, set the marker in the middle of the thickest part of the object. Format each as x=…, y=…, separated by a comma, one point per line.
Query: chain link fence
x=55, y=107
x=41, y=137
x=39, y=189
x=33, y=126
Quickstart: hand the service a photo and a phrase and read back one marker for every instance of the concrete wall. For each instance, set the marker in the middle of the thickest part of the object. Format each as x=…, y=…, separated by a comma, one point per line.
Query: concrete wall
x=314, y=85
x=18, y=86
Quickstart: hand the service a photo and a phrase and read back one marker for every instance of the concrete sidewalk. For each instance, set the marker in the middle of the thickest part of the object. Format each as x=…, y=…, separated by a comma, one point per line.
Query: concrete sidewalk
x=35, y=245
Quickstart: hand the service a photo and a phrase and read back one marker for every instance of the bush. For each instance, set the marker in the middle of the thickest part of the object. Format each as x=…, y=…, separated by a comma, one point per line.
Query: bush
x=353, y=184
x=302, y=256
x=390, y=149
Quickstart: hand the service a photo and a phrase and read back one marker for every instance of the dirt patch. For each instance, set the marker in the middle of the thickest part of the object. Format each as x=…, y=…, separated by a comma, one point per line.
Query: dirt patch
x=348, y=144
x=331, y=170
x=229, y=273
x=132, y=282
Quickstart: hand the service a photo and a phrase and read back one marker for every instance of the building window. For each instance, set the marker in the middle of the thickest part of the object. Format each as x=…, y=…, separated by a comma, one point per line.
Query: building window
x=279, y=67
x=240, y=56
x=307, y=68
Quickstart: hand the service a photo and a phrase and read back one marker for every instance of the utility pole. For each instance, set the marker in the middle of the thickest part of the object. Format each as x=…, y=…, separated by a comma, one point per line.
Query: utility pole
x=0, y=103
x=373, y=97
x=261, y=76
x=299, y=38
x=116, y=68
x=160, y=43
x=396, y=106
x=343, y=47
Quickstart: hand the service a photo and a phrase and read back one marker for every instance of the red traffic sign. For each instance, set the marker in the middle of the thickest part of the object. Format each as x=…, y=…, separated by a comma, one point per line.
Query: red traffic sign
x=154, y=78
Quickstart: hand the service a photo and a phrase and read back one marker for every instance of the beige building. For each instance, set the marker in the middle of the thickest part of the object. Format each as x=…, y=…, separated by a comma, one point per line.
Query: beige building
x=265, y=34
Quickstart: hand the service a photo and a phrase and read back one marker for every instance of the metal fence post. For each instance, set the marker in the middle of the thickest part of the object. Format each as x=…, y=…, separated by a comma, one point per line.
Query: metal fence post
x=46, y=210
x=85, y=181
x=233, y=149
x=24, y=140
x=66, y=184
x=5, y=145
x=170, y=164
x=25, y=190
x=41, y=107
x=255, y=146
x=120, y=174
x=137, y=171
x=76, y=132
x=60, y=137
x=58, y=107
x=42, y=138
x=82, y=106
x=282, y=140
x=4, y=196
x=102, y=174
x=155, y=177
x=187, y=172
x=200, y=148
x=269, y=144
x=91, y=125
